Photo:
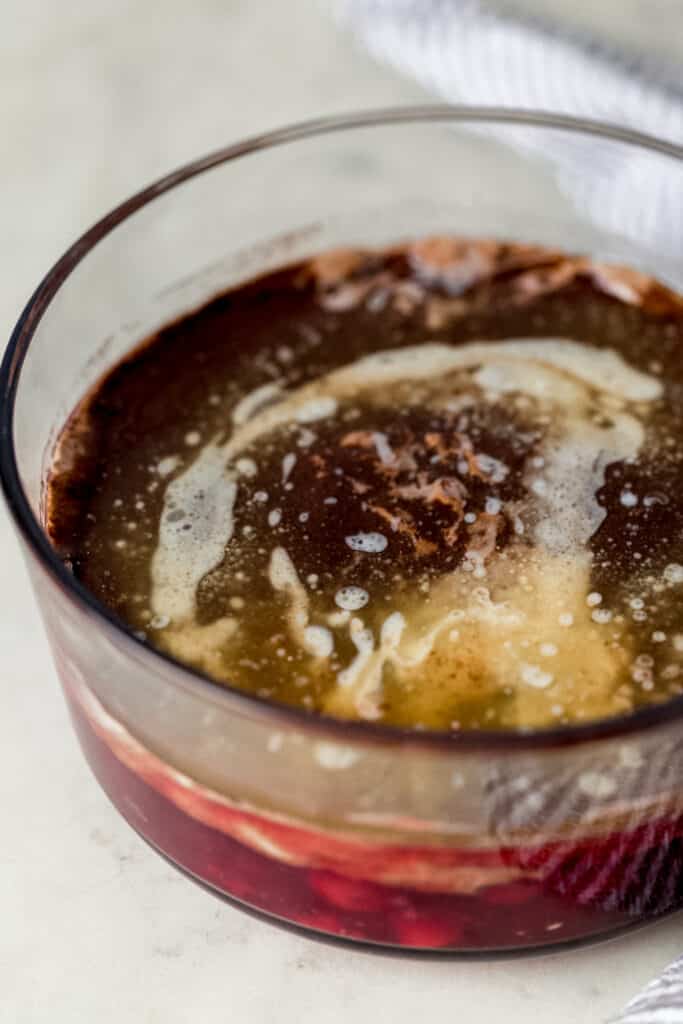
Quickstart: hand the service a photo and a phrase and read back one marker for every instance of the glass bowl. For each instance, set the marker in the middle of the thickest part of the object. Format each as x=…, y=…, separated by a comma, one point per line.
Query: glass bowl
x=474, y=843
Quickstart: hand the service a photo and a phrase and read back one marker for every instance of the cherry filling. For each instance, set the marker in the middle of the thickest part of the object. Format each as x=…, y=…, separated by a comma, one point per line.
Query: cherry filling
x=572, y=890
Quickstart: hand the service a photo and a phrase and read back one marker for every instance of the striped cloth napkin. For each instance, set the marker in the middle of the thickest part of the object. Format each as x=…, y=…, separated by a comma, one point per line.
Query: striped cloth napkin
x=660, y=1002
x=474, y=52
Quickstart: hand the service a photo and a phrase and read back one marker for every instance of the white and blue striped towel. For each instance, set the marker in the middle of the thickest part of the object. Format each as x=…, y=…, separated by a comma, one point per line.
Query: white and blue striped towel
x=474, y=53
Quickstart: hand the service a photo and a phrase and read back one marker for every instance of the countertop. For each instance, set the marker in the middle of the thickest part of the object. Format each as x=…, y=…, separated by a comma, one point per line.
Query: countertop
x=96, y=100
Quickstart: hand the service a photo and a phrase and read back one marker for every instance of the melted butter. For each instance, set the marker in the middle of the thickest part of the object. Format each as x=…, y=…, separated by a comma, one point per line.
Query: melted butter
x=206, y=491
x=284, y=578
x=493, y=633
x=202, y=646
x=472, y=646
x=253, y=402
x=196, y=525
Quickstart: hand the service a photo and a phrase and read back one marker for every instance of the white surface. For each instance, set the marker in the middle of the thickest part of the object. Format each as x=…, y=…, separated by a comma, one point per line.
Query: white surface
x=95, y=100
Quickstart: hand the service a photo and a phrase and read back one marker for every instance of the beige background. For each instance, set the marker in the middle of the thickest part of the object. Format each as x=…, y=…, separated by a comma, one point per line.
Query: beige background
x=95, y=100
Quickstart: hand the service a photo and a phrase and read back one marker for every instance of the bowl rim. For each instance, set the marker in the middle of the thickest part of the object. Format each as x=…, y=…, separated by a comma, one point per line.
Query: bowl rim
x=33, y=534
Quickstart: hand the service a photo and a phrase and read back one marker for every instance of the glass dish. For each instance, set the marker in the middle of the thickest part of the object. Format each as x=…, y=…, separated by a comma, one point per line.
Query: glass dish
x=475, y=843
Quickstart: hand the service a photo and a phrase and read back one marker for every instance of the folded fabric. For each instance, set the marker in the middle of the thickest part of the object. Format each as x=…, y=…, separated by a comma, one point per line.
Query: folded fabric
x=471, y=52
x=661, y=1002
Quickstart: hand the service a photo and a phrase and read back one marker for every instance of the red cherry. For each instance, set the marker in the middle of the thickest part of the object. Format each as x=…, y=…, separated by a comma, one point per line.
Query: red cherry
x=241, y=889
x=512, y=894
x=427, y=931
x=322, y=921
x=348, y=893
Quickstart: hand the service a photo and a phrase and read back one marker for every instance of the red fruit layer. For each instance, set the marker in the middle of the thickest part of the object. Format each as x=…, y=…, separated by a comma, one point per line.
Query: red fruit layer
x=518, y=914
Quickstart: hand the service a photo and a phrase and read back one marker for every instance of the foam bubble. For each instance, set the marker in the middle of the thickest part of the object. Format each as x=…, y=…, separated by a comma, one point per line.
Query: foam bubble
x=533, y=675
x=316, y=409
x=206, y=493
x=340, y=618
x=284, y=577
x=247, y=467
x=385, y=452
x=253, y=402
x=364, y=643
x=318, y=641
x=577, y=452
x=351, y=598
x=392, y=630
x=165, y=466
x=370, y=543
x=628, y=499
x=493, y=468
x=306, y=438
x=288, y=464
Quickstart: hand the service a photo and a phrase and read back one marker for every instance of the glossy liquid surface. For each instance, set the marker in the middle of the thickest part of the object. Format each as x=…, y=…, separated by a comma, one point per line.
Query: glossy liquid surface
x=439, y=486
